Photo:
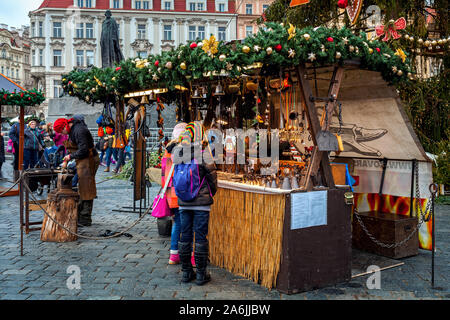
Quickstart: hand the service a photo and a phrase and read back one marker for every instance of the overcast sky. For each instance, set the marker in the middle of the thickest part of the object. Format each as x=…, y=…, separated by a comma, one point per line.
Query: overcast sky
x=15, y=12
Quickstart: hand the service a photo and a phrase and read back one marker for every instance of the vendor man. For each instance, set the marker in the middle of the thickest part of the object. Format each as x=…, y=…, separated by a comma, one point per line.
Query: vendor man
x=80, y=146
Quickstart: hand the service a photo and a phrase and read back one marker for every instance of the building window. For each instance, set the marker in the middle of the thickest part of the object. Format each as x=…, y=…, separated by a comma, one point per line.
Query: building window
x=88, y=3
x=79, y=30
x=57, y=29
x=3, y=70
x=57, y=88
x=221, y=7
x=201, y=32
x=57, y=58
x=7, y=71
x=41, y=57
x=17, y=73
x=80, y=58
x=141, y=31
x=4, y=53
x=200, y=6
x=192, y=31
x=248, y=31
x=142, y=54
x=222, y=36
x=146, y=5
x=192, y=6
x=116, y=4
x=41, y=31
x=89, y=57
x=33, y=29
x=167, y=5
x=80, y=3
x=137, y=4
x=167, y=32
x=89, y=30
x=33, y=57
x=248, y=8
x=265, y=6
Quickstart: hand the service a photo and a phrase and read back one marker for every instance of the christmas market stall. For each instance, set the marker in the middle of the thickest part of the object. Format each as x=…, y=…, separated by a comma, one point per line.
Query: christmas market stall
x=281, y=218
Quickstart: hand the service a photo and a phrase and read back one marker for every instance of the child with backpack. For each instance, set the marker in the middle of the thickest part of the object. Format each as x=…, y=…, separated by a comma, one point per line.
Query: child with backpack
x=195, y=183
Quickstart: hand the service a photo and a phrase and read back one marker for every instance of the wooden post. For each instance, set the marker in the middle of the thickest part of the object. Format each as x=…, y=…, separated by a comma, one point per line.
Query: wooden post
x=318, y=158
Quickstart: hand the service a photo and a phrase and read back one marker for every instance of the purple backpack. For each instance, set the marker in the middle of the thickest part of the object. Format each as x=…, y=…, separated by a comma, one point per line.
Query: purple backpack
x=186, y=180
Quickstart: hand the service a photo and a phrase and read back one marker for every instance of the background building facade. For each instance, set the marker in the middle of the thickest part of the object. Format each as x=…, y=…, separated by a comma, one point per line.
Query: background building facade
x=248, y=11
x=66, y=33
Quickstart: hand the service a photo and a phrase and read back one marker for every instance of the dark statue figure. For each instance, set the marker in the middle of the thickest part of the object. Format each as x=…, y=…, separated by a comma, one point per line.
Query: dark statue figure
x=110, y=44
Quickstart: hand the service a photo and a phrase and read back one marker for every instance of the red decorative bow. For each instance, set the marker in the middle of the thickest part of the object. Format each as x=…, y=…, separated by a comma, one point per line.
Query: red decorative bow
x=390, y=29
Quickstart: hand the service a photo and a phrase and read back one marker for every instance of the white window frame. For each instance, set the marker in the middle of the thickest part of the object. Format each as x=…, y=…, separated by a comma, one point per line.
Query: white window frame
x=163, y=5
x=196, y=2
x=57, y=88
x=246, y=31
x=221, y=2
x=55, y=34
x=111, y=4
x=33, y=29
x=87, y=58
x=192, y=30
x=224, y=33
x=164, y=32
x=150, y=4
x=79, y=63
x=201, y=34
x=79, y=28
x=141, y=33
x=61, y=58
x=85, y=3
x=41, y=29
x=41, y=57
x=247, y=7
x=90, y=29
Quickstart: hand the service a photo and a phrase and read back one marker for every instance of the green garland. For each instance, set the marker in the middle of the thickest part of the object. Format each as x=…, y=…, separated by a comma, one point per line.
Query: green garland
x=274, y=46
x=24, y=98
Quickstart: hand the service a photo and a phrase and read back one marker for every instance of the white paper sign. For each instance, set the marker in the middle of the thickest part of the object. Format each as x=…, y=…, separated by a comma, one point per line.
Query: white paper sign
x=308, y=209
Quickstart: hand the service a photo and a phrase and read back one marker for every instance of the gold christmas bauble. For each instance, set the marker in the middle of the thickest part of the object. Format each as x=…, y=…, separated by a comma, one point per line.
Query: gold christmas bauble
x=338, y=55
x=269, y=50
x=411, y=39
x=351, y=48
x=307, y=36
x=183, y=66
x=169, y=65
x=400, y=73
x=370, y=50
x=245, y=49
x=440, y=41
x=222, y=57
x=420, y=41
x=434, y=42
x=427, y=43
x=406, y=36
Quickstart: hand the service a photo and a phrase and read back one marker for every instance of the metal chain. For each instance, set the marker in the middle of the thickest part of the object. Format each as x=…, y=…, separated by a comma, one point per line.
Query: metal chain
x=422, y=220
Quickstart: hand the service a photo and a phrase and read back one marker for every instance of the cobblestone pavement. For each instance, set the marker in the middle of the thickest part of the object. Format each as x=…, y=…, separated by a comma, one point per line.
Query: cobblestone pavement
x=136, y=268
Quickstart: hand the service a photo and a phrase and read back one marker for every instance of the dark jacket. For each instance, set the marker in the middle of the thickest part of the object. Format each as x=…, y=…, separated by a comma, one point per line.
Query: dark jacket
x=81, y=136
x=2, y=149
x=209, y=187
x=33, y=139
x=14, y=133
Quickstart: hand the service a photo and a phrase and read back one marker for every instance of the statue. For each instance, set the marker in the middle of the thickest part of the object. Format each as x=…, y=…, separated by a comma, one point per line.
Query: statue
x=109, y=42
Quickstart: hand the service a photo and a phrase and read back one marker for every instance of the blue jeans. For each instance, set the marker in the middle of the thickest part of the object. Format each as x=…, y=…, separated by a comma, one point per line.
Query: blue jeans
x=102, y=154
x=194, y=221
x=176, y=229
x=30, y=158
x=110, y=152
x=121, y=160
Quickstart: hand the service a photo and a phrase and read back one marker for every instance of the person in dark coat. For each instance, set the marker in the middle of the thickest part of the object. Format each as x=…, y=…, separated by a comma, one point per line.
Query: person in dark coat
x=33, y=143
x=80, y=146
x=2, y=149
x=194, y=215
x=14, y=135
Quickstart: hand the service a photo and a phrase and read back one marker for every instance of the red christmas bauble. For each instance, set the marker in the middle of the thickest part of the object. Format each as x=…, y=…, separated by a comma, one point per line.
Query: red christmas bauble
x=118, y=68
x=193, y=45
x=156, y=63
x=378, y=49
x=278, y=47
x=330, y=39
x=342, y=4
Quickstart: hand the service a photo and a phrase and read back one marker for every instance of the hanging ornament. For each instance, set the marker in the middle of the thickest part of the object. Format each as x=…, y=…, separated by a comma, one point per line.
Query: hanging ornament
x=378, y=50
x=278, y=47
x=169, y=65
x=291, y=31
x=330, y=39
x=183, y=66
x=342, y=4
x=311, y=56
x=420, y=41
x=394, y=69
x=156, y=63
x=370, y=50
x=269, y=50
x=291, y=53
x=427, y=43
x=322, y=47
x=222, y=58
x=229, y=66
x=351, y=48
x=353, y=10
x=245, y=49
x=338, y=55
x=193, y=45
x=345, y=40
x=400, y=73
x=390, y=29
x=306, y=36
x=155, y=77
x=434, y=43
x=256, y=48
